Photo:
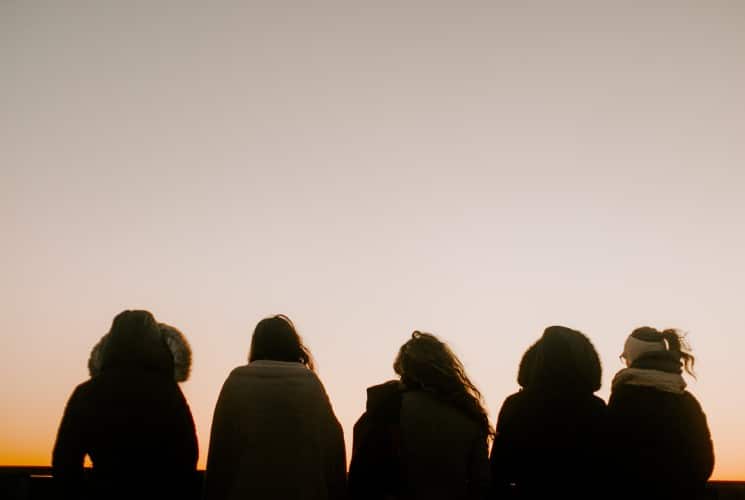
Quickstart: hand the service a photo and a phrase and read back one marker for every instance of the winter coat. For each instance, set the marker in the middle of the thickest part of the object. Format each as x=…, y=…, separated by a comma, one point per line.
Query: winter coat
x=657, y=434
x=275, y=436
x=410, y=445
x=548, y=445
x=131, y=419
x=376, y=470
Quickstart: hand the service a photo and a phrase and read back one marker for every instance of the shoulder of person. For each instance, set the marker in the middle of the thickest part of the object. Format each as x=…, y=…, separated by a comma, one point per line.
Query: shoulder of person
x=511, y=410
x=384, y=397
x=516, y=401
x=264, y=371
x=597, y=402
x=691, y=403
x=271, y=369
x=515, y=398
x=81, y=398
x=84, y=387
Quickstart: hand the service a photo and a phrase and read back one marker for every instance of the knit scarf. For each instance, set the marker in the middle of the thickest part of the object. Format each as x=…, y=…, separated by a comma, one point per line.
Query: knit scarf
x=660, y=370
x=662, y=381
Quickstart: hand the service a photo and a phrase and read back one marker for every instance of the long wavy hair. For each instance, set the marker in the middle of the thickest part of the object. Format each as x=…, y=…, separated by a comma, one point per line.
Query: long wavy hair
x=426, y=363
x=275, y=338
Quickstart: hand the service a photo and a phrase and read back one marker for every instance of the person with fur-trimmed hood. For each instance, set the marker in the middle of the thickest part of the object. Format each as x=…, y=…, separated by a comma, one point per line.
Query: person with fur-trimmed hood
x=549, y=434
x=131, y=417
x=659, y=441
x=274, y=433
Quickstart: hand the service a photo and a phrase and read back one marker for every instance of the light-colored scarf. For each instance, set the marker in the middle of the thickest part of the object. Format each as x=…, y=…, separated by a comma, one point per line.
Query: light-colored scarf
x=663, y=381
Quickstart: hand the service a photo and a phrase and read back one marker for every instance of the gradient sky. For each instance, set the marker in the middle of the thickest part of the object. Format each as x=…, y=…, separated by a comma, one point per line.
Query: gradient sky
x=479, y=170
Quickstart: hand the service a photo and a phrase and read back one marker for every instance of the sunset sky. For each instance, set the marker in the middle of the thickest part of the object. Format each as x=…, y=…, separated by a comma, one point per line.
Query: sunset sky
x=479, y=170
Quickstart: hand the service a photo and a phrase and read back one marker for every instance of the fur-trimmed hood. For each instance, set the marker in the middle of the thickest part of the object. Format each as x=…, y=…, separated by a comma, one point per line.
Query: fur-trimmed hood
x=136, y=338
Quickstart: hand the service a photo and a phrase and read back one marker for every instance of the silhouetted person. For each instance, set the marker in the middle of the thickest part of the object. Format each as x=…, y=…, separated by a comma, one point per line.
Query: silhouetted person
x=660, y=442
x=130, y=418
x=425, y=436
x=274, y=433
x=548, y=441
x=527, y=362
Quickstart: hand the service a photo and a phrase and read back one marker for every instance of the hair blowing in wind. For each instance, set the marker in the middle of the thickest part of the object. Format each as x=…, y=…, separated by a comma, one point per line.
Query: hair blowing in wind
x=426, y=363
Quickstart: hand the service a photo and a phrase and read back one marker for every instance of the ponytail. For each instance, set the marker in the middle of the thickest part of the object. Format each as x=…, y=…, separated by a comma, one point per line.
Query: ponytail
x=676, y=343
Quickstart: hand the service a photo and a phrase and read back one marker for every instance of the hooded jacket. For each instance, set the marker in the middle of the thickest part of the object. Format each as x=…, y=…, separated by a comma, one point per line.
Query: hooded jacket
x=549, y=434
x=275, y=436
x=548, y=446
x=130, y=418
x=657, y=432
x=376, y=471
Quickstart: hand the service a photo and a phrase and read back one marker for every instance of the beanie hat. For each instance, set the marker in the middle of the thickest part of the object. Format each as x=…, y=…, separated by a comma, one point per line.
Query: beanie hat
x=635, y=346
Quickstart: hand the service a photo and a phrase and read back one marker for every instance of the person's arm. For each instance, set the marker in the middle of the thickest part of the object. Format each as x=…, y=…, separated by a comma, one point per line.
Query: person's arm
x=620, y=442
x=333, y=448
x=702, y=447
x=186, y=448
x=358, y=467
x=221, y=458
x=479, y=479
x=598, y=453
x=502, y=457
x=70, y=448
x=336, y=460
x=188, y=434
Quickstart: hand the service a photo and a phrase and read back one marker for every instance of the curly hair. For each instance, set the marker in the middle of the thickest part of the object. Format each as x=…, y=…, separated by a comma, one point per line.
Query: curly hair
x=565, y=361
x=426, y=363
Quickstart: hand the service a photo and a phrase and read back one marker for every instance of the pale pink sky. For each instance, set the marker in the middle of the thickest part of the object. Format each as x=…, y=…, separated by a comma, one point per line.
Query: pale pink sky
x=476, y=171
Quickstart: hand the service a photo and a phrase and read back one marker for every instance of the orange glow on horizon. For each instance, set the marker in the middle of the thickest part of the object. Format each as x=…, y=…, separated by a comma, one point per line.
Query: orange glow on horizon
x=31, y=459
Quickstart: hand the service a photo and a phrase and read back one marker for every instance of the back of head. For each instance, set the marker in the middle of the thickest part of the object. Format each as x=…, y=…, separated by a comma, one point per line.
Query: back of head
x=426, y=363
x=565, y=362
x=177, y=345
x=646, y=342
x=275, y=338
x=135, y=342
x=527, y=363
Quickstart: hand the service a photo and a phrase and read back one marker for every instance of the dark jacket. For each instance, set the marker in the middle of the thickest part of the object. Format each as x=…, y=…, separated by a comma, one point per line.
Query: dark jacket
x=415, y=446
x=376, y=470
x=549, y=435
x=660, y=442
x=548, y=445
x=131, y=419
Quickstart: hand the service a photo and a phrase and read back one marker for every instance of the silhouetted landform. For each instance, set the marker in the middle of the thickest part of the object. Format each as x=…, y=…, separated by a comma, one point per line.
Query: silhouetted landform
x=35, y=483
